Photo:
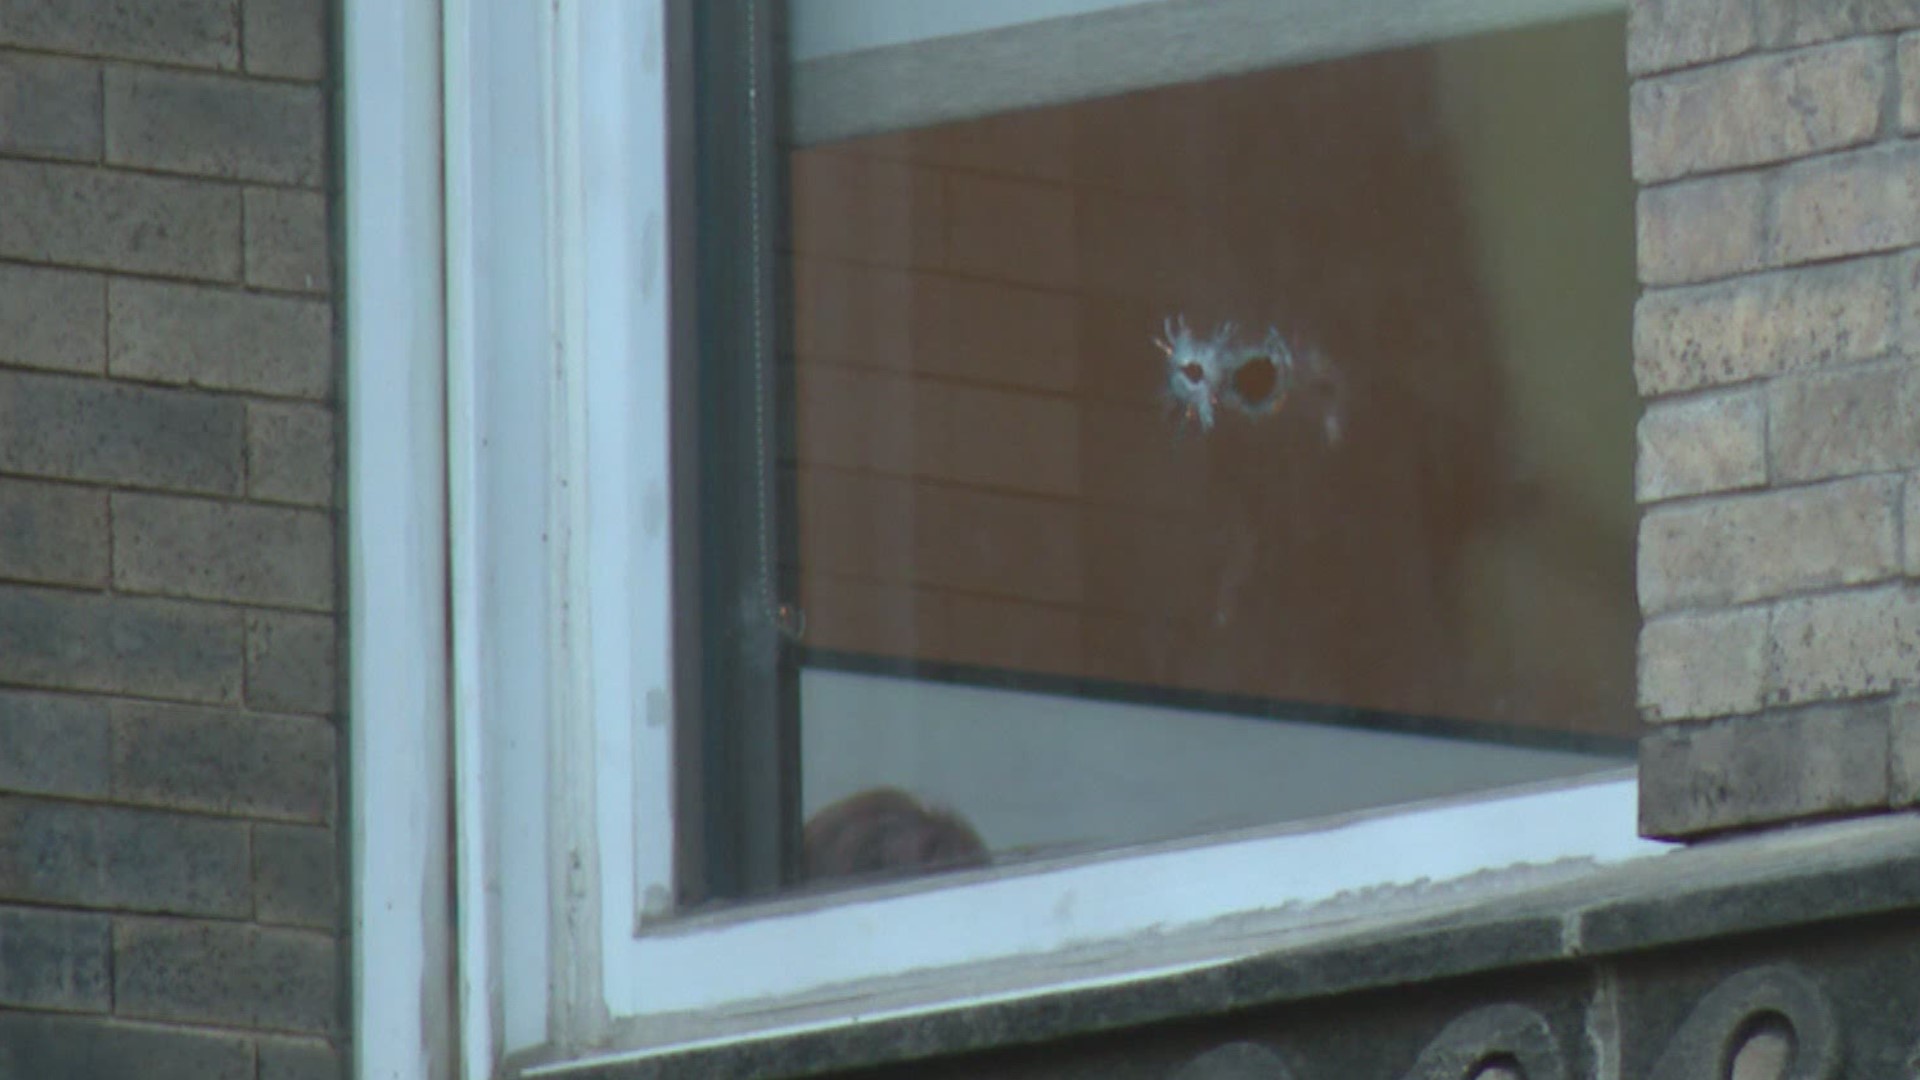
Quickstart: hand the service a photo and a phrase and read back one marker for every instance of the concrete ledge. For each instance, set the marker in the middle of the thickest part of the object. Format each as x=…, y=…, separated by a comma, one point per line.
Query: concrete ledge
x=1501, y=928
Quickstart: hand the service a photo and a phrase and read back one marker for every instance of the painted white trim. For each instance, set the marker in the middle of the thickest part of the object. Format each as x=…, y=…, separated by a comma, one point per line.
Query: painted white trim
x=397, y=665
x=1322, y=869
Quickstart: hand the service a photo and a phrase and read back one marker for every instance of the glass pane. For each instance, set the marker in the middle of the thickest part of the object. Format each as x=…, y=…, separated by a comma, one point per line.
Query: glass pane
x=1235, y=451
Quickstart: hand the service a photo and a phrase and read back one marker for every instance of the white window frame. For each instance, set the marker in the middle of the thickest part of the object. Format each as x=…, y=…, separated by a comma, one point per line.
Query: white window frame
x=506, y=295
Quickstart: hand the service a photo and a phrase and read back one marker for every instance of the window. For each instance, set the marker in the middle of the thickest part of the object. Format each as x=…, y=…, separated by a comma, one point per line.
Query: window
x=1117, y=450
x=932, y=316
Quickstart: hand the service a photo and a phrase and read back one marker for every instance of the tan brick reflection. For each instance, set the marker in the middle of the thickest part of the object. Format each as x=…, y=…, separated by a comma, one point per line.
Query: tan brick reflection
x=867, y=210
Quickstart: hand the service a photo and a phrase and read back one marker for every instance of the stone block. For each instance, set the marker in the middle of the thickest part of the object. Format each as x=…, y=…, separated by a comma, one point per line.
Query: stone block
x=1909, y=282
x=1909, y=53
x=223, y=762
x=299, y=1059
x=287, y=242
x=1754, y=770
x=55, y=319
x=1848, y=644
x=120, y=859
x=88, y=429
x=290, y=662
x=1903, y=766
x=193, y=33
x=1847, y=204
x=53, y=533
x=1697, y=666
x=1798, y=22
x=36, y=1045
x=1685, y=339
x=1698, y=445
x=120, y=644
x=1839, y=423
x=220, y=339
x=223, y=551
x=55, y=960
x=225, y=974
x=1749, y=112
x=215, y=125
x=54, y=744
x=1910, y=528
x=296, y=876
x=1696, y=230
x=49, y=107
x=1753, y=547
x=290, y=453
x=286, y=38
x=1664, y=34
x=103, y=219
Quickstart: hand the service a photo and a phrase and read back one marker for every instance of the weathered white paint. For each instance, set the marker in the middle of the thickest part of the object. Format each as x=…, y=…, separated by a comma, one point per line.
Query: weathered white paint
x=498, y=137
x=1014, y=913
x=397, y=669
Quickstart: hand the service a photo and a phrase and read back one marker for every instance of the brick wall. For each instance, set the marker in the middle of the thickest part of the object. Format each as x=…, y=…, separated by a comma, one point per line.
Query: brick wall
x=169, y=879
x=1775, y=345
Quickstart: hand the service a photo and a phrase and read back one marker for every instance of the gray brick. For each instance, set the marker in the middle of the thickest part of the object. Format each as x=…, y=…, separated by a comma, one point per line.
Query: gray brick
x=55, y=319
x=1910, y=83
x=1664, y=34
x=1752, y=547
x=1696, y=445
x=215, y=125
x=1696, y=230
x=49, y=107
x=53, y=533
x=296, y=876
x=290, y=662
x=1799, y=22
x=287, y=241
x=1685, y=339
x=52, y=744
x=115, y=858
x=290, y=453
x=122, y=644
x=198, y=33
x=1749, y=112
x=1847, y=644
x=55, y=960
x=1697, y=779
x=84, y=216
x=86, y=429
x=286, y=38
x=1847, y=204
x=1845, y=422
x=226, y=974
x=219, y=338
x=1694, y=666
x=223, y=551
x=33, y=1046
x=223, y=762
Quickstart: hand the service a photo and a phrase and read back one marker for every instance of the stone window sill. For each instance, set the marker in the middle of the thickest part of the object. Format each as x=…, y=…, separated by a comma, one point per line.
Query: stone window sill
x=1497, y=921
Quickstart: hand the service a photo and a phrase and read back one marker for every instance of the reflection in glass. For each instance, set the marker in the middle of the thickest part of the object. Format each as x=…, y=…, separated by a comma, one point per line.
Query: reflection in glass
x=1233, y=452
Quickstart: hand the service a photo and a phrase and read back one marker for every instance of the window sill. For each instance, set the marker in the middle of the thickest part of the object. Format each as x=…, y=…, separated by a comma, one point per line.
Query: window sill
x=1497, y=921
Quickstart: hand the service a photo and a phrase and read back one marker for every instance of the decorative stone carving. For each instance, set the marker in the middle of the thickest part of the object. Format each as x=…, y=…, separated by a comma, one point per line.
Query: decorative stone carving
x=1754, y=1005
x=1512, y=1037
